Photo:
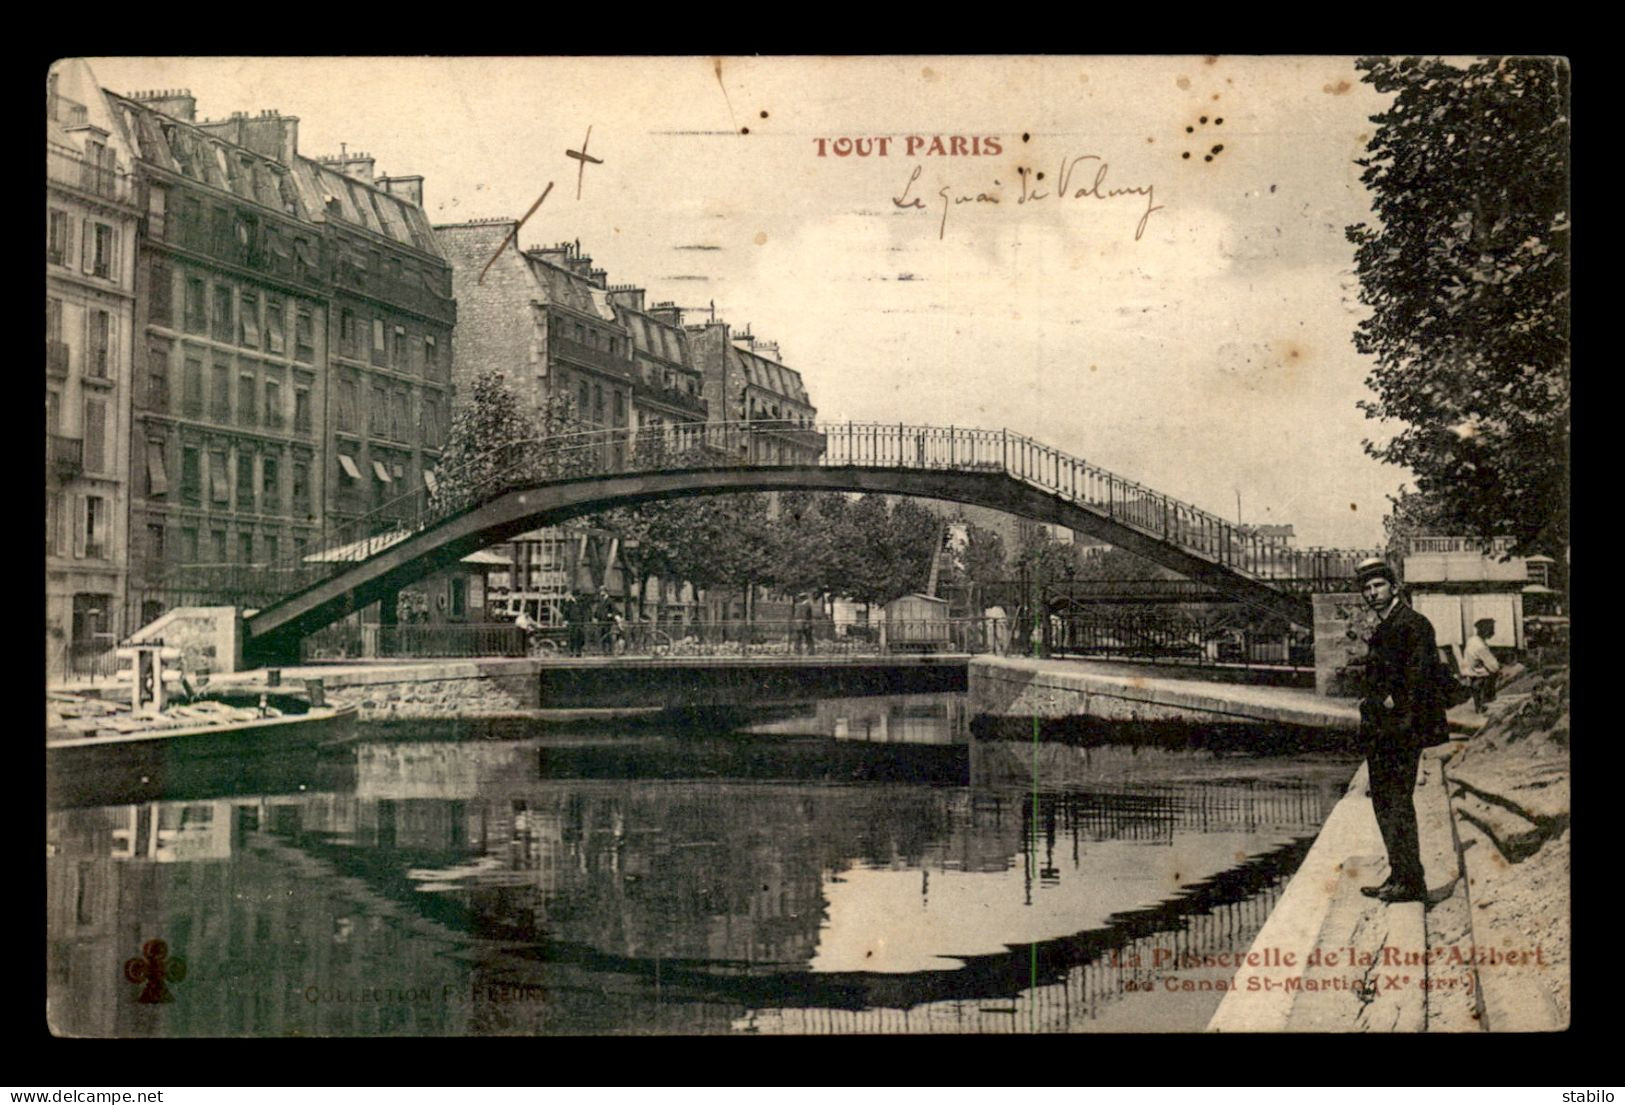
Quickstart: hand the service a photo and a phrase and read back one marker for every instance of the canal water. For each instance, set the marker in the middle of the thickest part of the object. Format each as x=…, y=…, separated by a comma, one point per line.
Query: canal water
x=870, y=865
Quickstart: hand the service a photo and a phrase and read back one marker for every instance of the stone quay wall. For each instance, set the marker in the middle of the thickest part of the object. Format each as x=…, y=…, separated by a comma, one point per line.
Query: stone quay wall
x=438, y=689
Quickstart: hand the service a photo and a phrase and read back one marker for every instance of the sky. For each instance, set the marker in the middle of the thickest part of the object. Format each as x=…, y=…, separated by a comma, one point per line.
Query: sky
x=1192, y=332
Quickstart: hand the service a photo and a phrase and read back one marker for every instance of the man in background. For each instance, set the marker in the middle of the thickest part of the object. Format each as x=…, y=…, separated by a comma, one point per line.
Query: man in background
x=1479, y=664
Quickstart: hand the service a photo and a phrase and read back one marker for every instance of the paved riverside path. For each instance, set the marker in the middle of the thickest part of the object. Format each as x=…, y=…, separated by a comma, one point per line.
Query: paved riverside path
x=1018, y=686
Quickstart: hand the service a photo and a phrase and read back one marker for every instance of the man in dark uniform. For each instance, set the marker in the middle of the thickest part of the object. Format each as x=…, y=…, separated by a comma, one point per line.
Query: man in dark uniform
x=1400, y=714
x=575, y=617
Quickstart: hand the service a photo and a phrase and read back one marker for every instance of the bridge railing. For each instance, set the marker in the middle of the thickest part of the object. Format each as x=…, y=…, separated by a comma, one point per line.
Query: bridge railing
x=340, y=545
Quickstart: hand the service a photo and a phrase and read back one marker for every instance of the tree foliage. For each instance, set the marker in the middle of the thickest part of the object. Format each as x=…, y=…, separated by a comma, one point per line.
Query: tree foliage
x=1467, y=276
x=1412, y=515
x=480, y=447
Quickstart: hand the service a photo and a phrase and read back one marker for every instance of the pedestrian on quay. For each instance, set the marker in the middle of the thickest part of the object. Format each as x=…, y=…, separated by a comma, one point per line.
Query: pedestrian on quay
x=1401, y=712
x=575, y=620
x=1482, y=669
x=804, y=624
x=601, y=609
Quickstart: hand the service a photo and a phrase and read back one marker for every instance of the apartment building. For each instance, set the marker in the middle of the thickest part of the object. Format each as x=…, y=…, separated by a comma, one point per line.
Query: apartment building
x=90, y=247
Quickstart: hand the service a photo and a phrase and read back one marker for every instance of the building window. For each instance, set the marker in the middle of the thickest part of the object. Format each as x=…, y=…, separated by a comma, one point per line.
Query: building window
x=191, y=476
x=274, y=329
x=459, y=596
x=586, y=400
x=620, y=408
x=95, y=435
x=398, y=420
x=220, y=393
x=58, y=238
x=301, y=410
x=247, y=409
x=245, y=546
x=598, y=403
x=380, y=483
x=272, y=548
x=157, y=208
x=249, y=321
x=155, y=540
x=219, y=484
x=378, y=341
x=270, y=485
x=160, y=295
x=273, y=405
x=53, y=523
x=157, y=477
x=217, y=546
x=431, y=355
x=347, y=332
x=94, y=535
x=397, y=351
x=99, y=352
x=378, y=413
x=245, y=479
x=224, y=324
x=349, y=478
x=431, y=423
x=301, y=488
x=220, y=243
x=304, y=263
x=304, y=336
x=196, y=320
x=189, y=544
x=100, y=245
x=347, y=405
x=192, y=389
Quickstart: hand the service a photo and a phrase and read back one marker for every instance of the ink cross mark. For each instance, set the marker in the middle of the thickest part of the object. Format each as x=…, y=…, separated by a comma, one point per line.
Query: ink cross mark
x=514, y=233
x=582, y=156
x=153, y=968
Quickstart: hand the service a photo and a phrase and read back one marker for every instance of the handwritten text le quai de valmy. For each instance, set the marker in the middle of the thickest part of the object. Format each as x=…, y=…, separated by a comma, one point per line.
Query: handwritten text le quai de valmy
x=1079, y=178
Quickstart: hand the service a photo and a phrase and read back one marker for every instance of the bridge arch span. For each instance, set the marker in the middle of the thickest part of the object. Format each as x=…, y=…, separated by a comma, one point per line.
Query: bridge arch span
x=272, y=634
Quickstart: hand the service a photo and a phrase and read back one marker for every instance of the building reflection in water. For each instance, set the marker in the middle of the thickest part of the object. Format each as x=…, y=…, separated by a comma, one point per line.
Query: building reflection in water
x=455, y=890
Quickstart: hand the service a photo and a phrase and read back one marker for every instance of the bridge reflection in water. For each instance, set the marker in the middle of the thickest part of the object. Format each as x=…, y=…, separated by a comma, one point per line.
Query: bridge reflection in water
x=449, y=888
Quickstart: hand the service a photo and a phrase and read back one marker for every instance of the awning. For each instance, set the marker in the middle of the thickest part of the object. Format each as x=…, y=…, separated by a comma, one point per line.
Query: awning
x=380, y=471
x=219, y=490
x=349, y=467
x=157, y=478
x=431, y=482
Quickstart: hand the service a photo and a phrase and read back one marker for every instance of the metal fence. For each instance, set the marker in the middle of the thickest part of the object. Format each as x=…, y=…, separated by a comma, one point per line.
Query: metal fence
x=348, y=641
x=1162, y=637
x=92, y=660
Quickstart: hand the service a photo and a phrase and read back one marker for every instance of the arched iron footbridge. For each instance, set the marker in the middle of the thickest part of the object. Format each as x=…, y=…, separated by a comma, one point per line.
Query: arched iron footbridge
x=522, y=485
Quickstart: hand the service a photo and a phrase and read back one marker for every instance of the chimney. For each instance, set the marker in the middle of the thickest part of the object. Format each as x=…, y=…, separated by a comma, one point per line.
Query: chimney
x=356, y=166
x=408, y=188
x=268, y=134
x=769, y=349
x=667, y=312
x=627, y=295
x=177, y=103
